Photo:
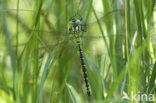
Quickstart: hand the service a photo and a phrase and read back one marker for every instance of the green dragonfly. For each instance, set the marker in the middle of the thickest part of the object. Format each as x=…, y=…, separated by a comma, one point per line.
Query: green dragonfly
x=77, y=25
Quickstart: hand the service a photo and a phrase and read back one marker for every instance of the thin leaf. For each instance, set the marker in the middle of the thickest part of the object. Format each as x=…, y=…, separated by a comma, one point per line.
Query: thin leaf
x=49, y=62
x=74, y=95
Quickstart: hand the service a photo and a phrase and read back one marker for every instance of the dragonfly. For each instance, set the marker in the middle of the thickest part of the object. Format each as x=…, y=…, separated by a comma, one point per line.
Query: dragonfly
x=77, y=26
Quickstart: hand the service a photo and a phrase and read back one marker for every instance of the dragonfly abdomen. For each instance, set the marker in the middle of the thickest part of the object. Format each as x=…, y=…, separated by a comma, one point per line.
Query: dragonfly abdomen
x=84, y=68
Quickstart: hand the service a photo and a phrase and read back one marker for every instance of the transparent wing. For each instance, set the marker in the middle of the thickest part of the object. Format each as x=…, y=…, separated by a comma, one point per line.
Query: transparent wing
x=50, y=36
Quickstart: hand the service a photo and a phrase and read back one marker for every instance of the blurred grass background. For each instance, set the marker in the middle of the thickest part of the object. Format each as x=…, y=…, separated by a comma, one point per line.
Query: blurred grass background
x=39, y=60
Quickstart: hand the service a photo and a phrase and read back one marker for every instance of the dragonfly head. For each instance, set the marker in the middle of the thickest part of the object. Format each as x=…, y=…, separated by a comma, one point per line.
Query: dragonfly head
x=77, y=25
x=75, y=21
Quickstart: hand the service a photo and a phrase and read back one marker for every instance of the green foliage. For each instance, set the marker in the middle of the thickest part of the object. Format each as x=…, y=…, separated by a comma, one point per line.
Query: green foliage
x=39, y=59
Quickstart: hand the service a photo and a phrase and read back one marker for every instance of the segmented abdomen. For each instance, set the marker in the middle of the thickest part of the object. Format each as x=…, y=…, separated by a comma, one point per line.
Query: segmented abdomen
x=84, y=68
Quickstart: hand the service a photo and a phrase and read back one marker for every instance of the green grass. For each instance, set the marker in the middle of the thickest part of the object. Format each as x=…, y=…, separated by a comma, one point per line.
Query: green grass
x=39, y=60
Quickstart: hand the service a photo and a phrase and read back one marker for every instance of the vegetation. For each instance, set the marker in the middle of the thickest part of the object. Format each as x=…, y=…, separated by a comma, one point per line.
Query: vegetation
x=39, y=59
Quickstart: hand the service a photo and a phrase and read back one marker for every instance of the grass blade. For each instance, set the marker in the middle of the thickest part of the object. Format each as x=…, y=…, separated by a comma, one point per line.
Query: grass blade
x=74, y=95
x=49, y=62
x=11, y=53
x=152, y=80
